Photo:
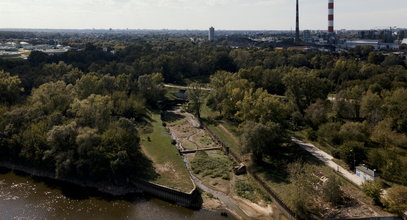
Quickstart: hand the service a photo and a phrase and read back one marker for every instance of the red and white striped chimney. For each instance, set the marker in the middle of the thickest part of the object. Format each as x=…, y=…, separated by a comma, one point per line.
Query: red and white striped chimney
x=330, y=16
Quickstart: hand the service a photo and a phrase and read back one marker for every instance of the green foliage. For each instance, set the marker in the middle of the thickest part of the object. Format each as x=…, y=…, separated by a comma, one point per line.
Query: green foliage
x=261, y=140
x=386, y=137
x=246, y=190
x=196, y=97
x=353, y=153
x=371, y=108
x=373, y=190
x=215, y=167
x=10, y=88
x=395, y=200
x=330, y=132
x=317, y=113
x=332, y=192
x=305, y=88
x=94, y=111
x=354, y=131
x=150, y=86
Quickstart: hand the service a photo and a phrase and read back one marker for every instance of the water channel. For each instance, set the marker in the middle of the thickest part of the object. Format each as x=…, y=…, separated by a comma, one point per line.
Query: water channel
x=26, y=197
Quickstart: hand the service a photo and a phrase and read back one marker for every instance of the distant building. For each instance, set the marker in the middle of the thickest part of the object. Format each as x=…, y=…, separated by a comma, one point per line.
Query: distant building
x=374, y=43
x=211, y=34
x=365, y=173
x=307, y=36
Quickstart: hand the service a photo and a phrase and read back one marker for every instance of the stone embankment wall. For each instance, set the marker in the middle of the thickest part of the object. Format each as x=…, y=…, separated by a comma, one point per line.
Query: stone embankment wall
x=189, y=200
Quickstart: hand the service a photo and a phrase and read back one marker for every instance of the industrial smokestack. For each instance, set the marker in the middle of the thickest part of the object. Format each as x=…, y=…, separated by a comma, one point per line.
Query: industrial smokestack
x=331, y=16
x=297, y=27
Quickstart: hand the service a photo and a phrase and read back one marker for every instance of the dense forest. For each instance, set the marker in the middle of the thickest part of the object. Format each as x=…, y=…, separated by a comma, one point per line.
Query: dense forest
x=79, y=114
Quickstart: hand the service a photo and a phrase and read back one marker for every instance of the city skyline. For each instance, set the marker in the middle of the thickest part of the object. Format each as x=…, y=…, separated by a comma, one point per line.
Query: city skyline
x=199, y=14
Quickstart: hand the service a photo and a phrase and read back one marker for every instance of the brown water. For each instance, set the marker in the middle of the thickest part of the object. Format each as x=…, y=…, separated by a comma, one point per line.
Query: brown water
x=24, y=197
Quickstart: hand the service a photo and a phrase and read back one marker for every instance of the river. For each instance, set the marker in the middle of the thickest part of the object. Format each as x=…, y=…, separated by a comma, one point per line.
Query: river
x=25, y=197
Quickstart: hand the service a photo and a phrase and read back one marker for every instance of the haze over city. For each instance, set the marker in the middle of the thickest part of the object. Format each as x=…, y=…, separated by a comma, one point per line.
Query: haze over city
x=199, y=14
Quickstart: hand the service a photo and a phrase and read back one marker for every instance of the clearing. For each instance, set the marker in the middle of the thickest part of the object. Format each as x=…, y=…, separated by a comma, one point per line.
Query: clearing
x=157, y=146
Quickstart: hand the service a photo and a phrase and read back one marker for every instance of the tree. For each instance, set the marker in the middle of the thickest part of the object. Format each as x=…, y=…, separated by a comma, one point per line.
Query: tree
x=354, y=131
x=261, y=140
x=353, y=153
x=347, y=102
x=151, y=87
x=302, y=188
x=10, y=88
x=371, y=108
x=88, y=85
x=330, y=133
x=261, y=107
x=331, y=191
x=396, y=108
x=395, y=200
x=196, y=97
x=384, y=135
x=51, y=97
x=373, y=189
x=304, y=88
x=317, y=112
x=94, y=111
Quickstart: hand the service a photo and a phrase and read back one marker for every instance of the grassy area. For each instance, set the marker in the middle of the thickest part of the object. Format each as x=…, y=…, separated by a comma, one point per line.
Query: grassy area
x=214, y=166
x=167, y=161
x=249, y=190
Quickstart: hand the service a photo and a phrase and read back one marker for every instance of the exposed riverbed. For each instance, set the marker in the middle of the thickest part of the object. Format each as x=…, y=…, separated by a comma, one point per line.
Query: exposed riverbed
x=25, y=197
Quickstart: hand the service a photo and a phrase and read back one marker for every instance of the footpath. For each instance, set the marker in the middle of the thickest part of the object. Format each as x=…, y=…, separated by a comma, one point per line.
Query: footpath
x=328, y=160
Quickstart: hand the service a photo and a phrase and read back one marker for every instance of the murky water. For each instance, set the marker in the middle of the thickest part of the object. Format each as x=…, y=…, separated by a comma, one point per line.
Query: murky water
x=24, y=197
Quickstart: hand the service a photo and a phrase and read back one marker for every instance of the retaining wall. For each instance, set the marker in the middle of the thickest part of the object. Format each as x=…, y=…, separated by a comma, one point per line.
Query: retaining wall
x=188, y=200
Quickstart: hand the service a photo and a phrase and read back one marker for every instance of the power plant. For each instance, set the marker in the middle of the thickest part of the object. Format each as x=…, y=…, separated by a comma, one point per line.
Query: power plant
x=297, y=27
x=330, y=16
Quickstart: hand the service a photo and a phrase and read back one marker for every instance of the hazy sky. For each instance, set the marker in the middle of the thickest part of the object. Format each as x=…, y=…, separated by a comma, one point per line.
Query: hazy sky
x=200, y=14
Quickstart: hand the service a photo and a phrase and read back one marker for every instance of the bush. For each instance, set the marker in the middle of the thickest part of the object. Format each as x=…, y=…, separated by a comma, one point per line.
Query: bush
x=330, y=133
x=395, y=200
x=373, y=190
x=353, y=153
x=336, y=153
x=245, y=190
x=311, y=134
x=215, y=167
x=331, y=191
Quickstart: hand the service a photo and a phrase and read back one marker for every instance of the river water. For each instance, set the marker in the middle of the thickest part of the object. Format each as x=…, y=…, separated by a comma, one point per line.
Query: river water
x=25, y=197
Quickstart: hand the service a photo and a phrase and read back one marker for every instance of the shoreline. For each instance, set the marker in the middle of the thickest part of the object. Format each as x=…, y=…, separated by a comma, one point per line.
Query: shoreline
x=105, y=188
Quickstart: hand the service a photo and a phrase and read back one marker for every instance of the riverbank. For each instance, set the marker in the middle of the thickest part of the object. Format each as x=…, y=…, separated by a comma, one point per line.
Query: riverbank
x=189, y=200
x=101, y=187
x=27, y=197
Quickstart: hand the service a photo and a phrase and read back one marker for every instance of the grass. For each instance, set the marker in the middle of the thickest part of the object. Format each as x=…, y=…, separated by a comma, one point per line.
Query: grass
x=274, y=171
x=167, y=161
x=213, y=166
x=248, y=189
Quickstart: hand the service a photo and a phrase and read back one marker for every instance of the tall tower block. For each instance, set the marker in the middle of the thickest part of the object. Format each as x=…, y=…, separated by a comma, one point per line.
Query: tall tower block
x=297, y=26
x=331, y=16
x=211, y=36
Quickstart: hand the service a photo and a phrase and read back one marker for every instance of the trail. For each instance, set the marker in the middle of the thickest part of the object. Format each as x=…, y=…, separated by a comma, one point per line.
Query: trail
x=230, y=203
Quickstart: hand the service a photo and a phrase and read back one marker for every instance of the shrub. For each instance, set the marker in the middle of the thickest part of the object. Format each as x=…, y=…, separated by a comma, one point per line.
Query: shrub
x=395, y=200
x=245, y=190
x=331, y=191
x=373, y=190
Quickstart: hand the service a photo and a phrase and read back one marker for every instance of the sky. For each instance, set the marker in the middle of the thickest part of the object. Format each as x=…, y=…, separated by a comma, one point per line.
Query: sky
x=200, y=14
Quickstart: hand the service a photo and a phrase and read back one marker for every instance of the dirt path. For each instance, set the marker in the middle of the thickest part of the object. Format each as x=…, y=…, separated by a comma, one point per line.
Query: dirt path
x=241, y=208
x=328, y=160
